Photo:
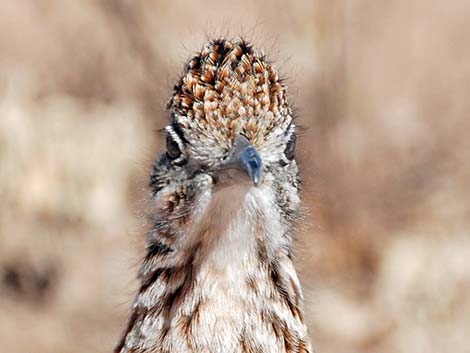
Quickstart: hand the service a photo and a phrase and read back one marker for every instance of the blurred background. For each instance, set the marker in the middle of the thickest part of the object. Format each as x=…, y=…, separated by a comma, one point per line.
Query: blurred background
x=383, y=89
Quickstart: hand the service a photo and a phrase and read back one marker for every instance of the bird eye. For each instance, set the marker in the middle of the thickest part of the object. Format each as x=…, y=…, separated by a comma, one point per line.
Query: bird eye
x=289, y=152
x=172, y=149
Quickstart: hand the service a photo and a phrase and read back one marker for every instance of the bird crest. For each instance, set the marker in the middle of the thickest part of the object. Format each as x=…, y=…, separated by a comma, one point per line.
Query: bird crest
x=229, y=89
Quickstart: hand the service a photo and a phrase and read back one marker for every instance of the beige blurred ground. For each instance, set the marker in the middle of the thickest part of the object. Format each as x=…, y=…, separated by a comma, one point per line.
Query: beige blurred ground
x=384, y=90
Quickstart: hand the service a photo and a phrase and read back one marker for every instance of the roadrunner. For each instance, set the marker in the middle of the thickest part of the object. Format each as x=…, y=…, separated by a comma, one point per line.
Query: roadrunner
x=218, y=275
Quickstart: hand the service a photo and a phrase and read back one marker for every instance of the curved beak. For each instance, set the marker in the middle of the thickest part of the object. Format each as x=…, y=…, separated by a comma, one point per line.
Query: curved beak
x=245, y=157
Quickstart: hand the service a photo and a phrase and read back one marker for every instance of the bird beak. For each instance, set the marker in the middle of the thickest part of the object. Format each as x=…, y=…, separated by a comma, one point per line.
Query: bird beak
x=245, y=157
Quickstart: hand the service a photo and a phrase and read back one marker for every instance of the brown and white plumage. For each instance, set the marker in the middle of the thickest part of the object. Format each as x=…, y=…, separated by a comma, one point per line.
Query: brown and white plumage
x=218, y=275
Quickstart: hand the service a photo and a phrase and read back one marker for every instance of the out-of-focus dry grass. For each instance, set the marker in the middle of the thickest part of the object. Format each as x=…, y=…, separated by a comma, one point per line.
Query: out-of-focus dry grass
x=383, y=88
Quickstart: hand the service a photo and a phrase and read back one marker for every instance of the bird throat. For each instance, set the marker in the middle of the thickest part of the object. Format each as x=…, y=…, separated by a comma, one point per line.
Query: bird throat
x=229, y=286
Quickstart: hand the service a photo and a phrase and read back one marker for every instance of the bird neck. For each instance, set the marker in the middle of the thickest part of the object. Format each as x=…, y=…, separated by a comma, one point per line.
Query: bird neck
x=226, y=283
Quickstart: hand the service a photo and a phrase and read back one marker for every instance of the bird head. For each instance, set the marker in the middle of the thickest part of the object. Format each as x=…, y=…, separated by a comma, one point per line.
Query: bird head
x=231, y=125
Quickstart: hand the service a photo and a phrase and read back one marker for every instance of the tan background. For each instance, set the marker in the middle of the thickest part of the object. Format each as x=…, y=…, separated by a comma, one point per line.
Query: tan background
x=383, y=89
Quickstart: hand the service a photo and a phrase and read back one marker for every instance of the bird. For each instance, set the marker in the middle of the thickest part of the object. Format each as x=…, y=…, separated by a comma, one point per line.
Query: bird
x=218, y=274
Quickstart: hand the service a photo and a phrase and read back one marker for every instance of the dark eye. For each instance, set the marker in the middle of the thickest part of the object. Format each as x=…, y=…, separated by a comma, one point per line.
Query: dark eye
x=289, y=152
x=172, y=149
